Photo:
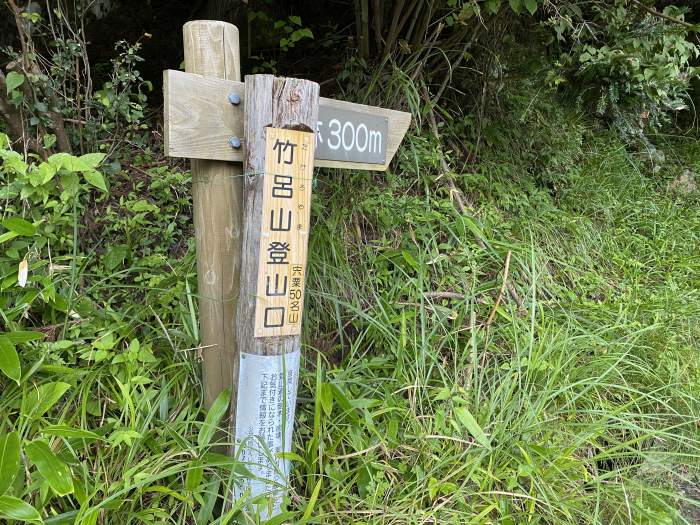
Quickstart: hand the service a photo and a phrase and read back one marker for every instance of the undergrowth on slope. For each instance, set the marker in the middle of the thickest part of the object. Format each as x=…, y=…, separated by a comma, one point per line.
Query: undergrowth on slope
x=577, y=406
x=430, y=392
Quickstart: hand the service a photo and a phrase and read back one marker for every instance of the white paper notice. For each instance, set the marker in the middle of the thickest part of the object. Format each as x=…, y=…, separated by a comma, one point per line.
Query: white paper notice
x=267, y=394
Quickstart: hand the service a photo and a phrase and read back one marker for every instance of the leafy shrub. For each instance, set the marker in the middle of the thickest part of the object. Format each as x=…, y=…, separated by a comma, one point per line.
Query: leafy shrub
x=98, y=416
x=627, y=65
x=50, y=101
x=39, y=216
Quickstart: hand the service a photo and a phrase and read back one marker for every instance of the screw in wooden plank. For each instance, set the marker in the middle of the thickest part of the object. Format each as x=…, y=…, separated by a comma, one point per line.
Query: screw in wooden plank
x=234, y=98
x=235, y=142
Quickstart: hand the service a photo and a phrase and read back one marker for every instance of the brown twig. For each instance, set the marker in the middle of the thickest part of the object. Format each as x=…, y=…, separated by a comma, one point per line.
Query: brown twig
x=668, y=18
x=506, y=267
x=10, y=113
x=429, y=44
x=30, y=66
x=456, y=193
x=377, y=24
x=514, y=295
x=444, y=295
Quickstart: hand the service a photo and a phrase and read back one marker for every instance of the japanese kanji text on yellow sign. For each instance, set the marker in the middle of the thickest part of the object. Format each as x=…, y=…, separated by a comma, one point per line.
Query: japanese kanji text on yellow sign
x=284, y=233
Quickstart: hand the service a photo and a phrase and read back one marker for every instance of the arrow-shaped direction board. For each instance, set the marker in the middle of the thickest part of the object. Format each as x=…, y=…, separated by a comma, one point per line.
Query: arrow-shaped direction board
x=200, y=121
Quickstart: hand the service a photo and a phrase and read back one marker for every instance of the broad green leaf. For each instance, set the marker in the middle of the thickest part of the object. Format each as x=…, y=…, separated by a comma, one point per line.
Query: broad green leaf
x=40, y=399
x=13, y=80
x=46, y=171
x=467, y=420
x=326, y=398
x=343, y=402
x=9, y=360
x=105, y=342
x=92, y=159
x=115, y=256
x=89, y=517
x=19, y=226
x=23, y=336
x=15, y=509
x=291, y=456
x=211, y=493
x=95, y=178
x=12, y=162
x=492, y=6
x=7, y=236
x=211, y=421
x=42, y=174
x=312, y=503
x=65, y=518
x=70, y=184
x=49, y=140
x=60, y=161
x=515, y=5
x=194, y=475
x=142, y=205
x=123, y=435
x=442, y=394
x=531, y=6
x=52, y=469
x=68, y=162
x=280, y=519
x=35, y=177
x=300, y=34
x=410, y=260
x=9, y=460
x=433, y=487
x=69, y=432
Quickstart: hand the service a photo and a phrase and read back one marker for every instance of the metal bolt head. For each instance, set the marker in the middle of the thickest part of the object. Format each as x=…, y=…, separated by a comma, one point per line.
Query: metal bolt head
x=234, y=142
x=234, y=98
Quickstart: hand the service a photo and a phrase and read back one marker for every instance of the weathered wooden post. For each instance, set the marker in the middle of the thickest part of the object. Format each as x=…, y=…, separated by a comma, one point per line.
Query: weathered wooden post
x=211, y=49
x=288, y=130
x=280, y=119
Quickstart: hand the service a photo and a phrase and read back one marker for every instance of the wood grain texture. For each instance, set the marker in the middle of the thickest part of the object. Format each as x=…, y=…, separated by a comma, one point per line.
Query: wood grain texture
x=280, y=103
x=198, y=107
x=211, y=49
x=198, y=116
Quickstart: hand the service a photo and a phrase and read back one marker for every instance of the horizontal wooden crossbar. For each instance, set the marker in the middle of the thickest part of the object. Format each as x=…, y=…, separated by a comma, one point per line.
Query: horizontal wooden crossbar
x=200, y=120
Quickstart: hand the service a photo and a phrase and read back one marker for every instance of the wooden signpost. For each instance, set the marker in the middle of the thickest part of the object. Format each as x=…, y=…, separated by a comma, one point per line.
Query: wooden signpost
x=252, y=229
x=206, y=134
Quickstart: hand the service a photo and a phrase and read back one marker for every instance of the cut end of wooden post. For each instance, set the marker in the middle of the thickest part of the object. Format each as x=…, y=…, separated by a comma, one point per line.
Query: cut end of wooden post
x=212, y=49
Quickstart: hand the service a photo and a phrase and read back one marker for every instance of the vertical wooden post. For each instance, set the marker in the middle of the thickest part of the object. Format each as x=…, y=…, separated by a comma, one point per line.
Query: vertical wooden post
x=362, y=23
x=211, y=49
x=280, y=103
x=289, y=104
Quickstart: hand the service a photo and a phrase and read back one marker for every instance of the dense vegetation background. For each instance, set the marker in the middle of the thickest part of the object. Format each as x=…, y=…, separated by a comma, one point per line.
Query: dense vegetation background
x=500, y=329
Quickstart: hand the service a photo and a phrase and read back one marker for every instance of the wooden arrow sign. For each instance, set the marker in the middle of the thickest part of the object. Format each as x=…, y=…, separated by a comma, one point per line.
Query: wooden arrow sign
x=200, y=120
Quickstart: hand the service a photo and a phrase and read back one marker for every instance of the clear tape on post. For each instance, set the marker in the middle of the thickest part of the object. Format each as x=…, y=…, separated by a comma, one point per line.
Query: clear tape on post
x=267, y=392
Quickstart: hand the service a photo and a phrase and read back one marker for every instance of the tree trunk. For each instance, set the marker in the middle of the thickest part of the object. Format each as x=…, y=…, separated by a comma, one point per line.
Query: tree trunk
x=10, y=114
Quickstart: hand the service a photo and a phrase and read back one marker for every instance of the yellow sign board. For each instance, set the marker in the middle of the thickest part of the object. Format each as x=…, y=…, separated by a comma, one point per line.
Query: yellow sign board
x=289, y=164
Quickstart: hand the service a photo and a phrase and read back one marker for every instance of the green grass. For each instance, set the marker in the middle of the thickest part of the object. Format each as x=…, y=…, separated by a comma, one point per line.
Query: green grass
x=580, y=407
x=583, y=406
